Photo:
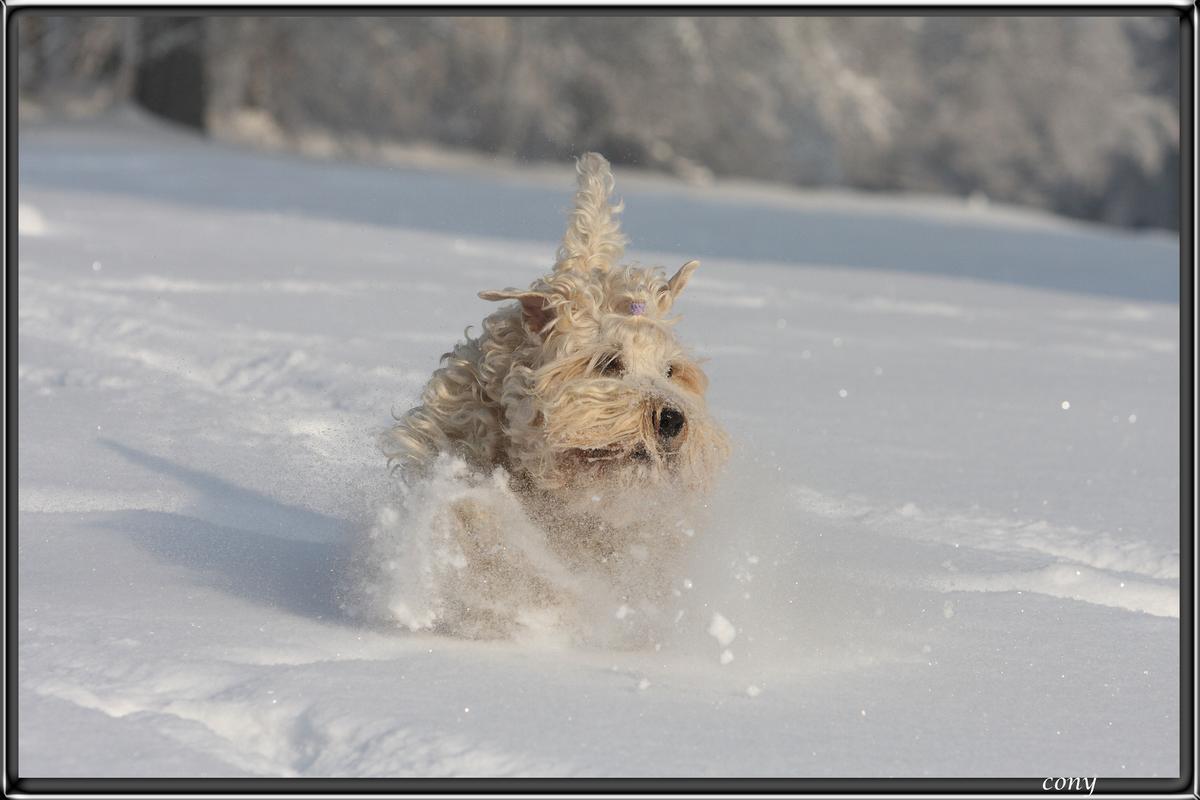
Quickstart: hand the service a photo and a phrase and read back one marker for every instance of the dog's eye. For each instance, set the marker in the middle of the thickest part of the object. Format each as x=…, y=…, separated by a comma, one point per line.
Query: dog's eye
x=614, y=366
x=670, y=370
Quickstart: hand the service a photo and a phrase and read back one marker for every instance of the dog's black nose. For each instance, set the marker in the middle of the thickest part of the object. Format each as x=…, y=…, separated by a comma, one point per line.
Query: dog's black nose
x=670, y=423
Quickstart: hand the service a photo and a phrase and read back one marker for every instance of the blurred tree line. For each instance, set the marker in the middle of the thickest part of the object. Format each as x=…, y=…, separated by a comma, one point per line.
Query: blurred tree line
x=1077, y=115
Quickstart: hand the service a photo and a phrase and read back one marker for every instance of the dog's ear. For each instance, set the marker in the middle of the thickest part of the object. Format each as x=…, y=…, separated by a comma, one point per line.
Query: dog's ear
x=535, y=306
x=680, y=279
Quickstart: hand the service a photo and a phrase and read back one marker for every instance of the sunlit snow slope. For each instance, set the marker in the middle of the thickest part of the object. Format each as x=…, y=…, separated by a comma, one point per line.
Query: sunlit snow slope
x=947, y=545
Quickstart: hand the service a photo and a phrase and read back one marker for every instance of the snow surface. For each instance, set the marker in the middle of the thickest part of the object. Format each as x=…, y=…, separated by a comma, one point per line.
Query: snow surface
x=947, y=544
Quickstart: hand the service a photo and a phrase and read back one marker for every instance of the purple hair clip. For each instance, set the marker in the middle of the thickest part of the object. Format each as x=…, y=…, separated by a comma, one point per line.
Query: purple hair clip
x=637, y=308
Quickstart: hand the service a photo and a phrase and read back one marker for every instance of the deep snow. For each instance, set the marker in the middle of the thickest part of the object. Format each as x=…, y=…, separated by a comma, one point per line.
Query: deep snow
x=947, y=545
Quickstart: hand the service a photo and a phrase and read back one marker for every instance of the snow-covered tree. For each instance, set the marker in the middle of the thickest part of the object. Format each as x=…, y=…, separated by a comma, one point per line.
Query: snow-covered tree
x=1074, y=114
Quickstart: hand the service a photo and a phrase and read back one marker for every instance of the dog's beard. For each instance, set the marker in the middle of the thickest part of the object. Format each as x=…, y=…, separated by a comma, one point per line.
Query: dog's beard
x=607, y=433
x=622, y=479
x=613, y=486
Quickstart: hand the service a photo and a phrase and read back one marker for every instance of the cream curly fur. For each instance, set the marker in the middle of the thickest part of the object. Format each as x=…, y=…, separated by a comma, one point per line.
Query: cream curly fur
x=566, y=388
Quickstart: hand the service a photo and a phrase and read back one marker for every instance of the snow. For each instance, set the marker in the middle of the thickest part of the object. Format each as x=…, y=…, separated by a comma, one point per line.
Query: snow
x=930, y=568
x=722, y=630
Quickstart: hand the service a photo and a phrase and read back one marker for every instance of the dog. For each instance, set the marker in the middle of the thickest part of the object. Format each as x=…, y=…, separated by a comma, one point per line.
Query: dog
x=582, y=442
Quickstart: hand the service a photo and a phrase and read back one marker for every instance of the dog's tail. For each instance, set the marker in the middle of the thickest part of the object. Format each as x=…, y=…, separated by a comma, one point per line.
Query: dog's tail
x=593, y=239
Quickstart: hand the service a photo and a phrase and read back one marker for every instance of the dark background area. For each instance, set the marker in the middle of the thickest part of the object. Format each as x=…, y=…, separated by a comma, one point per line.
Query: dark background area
x=1075, y=115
